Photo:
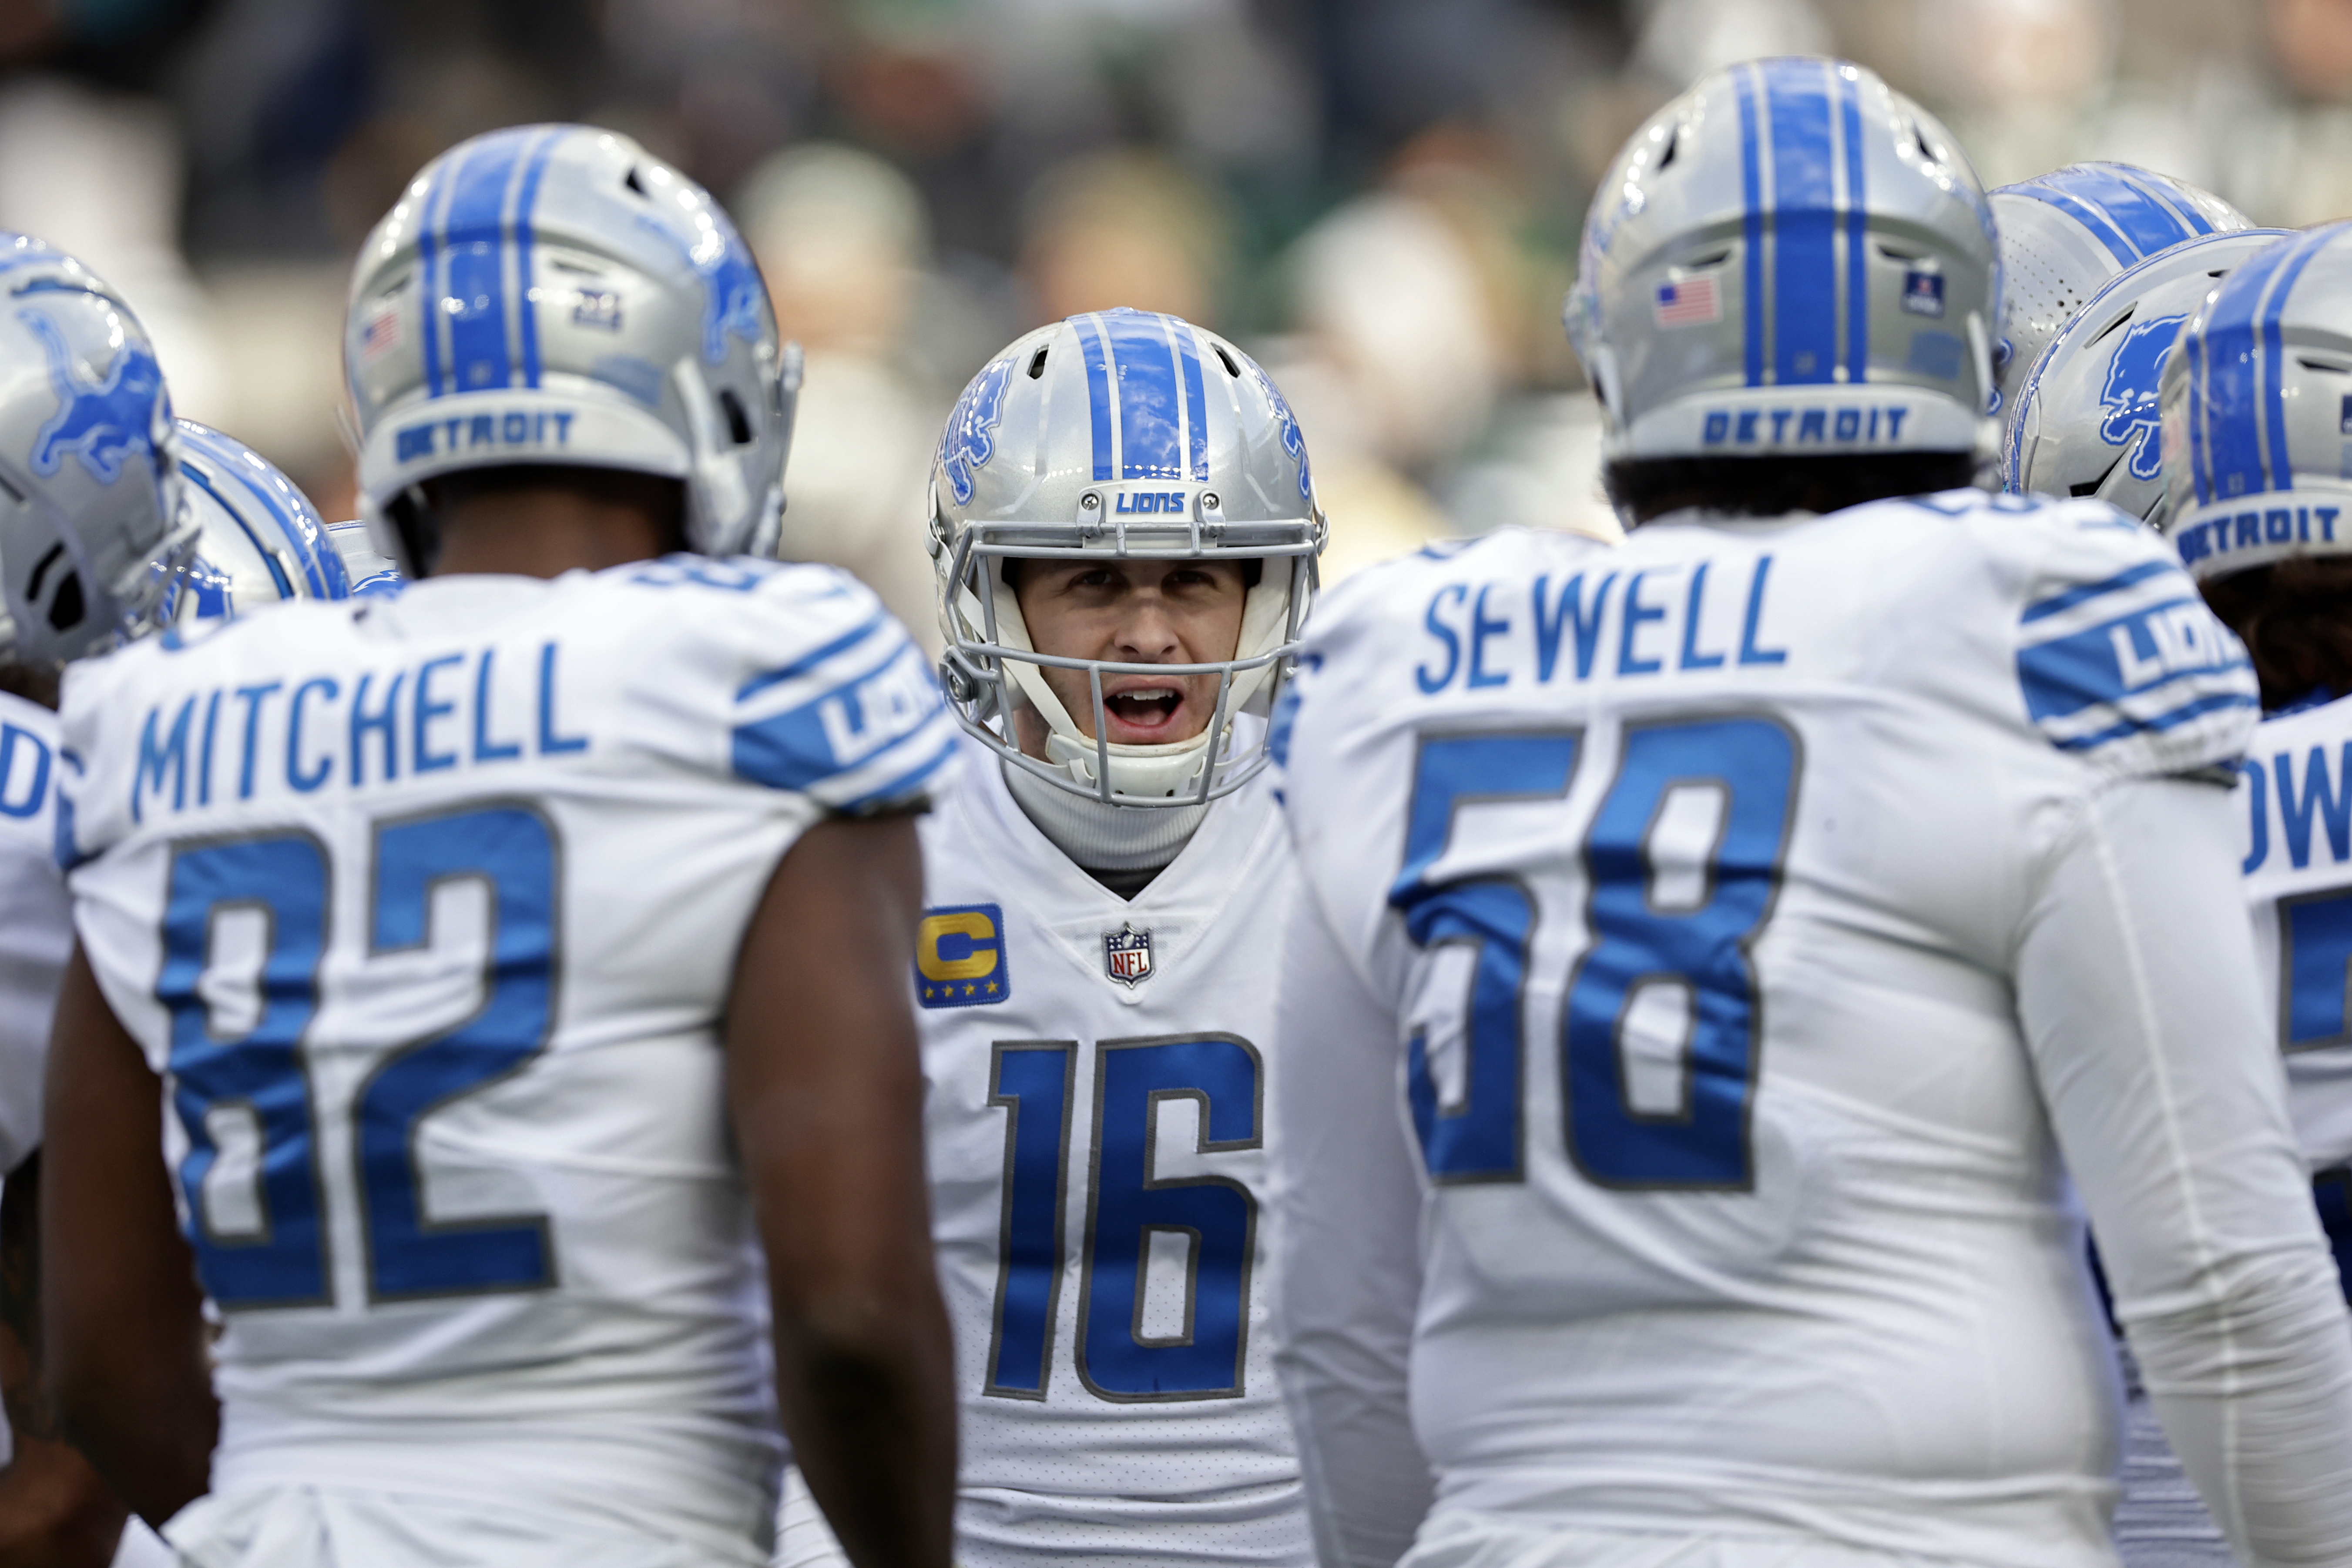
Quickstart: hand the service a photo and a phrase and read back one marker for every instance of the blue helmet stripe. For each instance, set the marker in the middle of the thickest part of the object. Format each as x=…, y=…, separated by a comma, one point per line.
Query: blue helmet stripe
x=2120, y=248
x=2232, y=374
x=214, y=602
x=2151, y=224
x=474, y=231
x=526, y=313
x=1804, y=222
x=428, y=330
x=2299, y=254
x=1196, y=405
x=1751, y=188
x=296, y=525
x=1857, y=226
x=2200, y=473
x=1151, y=424
x=1090, y=346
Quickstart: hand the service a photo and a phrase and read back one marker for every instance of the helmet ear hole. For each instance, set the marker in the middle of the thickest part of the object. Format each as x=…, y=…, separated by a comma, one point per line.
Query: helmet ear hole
x=738, y=422
x=67, y=609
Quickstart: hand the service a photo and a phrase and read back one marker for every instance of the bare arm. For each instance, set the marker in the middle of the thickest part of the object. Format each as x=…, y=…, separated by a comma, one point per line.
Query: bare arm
x=125, y=1343
x=827, y=1096
x=53, y=1511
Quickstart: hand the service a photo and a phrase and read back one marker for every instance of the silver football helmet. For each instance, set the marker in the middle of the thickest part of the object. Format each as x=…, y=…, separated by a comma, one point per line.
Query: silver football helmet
x=1120, y=435
x=2086, y=421
x=2065, y=233
x=259, y=540
x=2257, y=408
x=372, y=574
x=93, y=526
x=1790, y=259
x=553, y=294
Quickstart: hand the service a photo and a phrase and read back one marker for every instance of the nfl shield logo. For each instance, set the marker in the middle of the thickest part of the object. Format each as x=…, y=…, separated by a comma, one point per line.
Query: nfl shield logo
x=1127, y=954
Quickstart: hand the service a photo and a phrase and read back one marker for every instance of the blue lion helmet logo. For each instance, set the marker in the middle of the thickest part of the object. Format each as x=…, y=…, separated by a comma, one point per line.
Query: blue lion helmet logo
x=2130, y=395
x=965, y=446
x=103, y=423
x=731, y=287
x=1293, y=441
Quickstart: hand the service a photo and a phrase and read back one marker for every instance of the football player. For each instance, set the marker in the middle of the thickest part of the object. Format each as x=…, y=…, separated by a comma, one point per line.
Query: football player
x=2065, y=233
x=2254, y=405
x=1720, y=952
x=92, y=529
x=510, y=953
x=1124, y=528
x=2085, y=421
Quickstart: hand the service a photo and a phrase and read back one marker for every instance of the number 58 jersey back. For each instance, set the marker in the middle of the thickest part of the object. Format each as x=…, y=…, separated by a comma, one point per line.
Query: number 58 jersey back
x=426, y=910
x=1692, y=872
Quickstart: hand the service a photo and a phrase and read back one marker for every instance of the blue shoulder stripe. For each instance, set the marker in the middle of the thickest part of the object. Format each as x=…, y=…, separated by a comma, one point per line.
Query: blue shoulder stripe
x=812, y=659
x=907, y=783
x=2058, y=603
x=2216, y=702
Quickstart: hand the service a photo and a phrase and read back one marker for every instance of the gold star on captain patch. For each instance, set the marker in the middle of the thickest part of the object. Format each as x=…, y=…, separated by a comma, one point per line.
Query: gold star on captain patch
x=970, y=990
x=991, y=987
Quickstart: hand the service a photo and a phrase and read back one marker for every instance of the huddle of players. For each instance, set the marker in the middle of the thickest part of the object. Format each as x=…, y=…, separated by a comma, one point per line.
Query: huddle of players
x=1638, y=1062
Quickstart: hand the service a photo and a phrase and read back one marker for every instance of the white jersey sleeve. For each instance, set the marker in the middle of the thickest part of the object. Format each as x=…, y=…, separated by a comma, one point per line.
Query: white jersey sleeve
x=2138, y=1003
x=35, y=918
x=426, y=908
x=1347, y=1194
x=1702, y=877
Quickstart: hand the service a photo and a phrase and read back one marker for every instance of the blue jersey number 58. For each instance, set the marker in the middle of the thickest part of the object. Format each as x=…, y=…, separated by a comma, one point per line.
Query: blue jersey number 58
x=1699, y=947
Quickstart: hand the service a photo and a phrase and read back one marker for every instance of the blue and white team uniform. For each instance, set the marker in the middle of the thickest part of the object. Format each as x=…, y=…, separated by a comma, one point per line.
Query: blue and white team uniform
x=1098, y=1072
x=1096, y=972
x=1730, y=943
x=426, y=909
x=35, y=920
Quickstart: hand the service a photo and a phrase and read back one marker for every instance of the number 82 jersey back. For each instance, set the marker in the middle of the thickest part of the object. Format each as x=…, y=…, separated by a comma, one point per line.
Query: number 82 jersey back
x=426, y=910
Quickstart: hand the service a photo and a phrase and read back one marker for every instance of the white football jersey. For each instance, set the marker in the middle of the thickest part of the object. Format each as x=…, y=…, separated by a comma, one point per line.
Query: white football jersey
x=35, y=918
x=1098, y=1073
x=2294, y=792
x=1693, y=874
x=427, y=909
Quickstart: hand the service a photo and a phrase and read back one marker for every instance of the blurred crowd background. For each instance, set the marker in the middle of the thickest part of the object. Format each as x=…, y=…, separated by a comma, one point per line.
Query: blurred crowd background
x=1379, y=198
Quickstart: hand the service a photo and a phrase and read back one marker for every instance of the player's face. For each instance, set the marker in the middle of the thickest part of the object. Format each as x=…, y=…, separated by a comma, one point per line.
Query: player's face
x=1131, y=612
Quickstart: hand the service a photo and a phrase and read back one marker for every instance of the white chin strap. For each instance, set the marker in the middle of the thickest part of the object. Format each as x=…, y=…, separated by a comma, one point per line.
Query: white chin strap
x=1152, y=772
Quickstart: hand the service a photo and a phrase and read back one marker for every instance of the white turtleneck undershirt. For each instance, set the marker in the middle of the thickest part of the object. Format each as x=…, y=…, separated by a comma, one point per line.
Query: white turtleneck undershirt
x=1121, y=847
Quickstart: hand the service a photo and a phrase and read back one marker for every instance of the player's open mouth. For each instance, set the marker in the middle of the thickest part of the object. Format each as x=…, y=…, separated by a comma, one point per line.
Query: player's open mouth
x=1148, y=709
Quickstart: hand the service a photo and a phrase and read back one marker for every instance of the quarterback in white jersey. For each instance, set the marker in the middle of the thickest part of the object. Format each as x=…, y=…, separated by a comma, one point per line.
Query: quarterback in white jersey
x=501, y=952
x=1097, y=968
x=1720, y=953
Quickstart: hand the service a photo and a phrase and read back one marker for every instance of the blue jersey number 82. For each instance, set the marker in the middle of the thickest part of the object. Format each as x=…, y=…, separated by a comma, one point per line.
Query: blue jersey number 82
x=261, y=1075
x=1701, y=948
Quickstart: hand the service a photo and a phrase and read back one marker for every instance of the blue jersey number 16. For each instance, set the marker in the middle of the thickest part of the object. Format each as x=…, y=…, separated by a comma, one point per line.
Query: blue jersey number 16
x=1214, y=1218
x=262, y=1077
x=1700, y=947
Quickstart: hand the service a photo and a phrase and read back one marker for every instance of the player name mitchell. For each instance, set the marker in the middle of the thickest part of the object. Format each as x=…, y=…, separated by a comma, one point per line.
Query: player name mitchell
x=450, y=711
x=1619, y=621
